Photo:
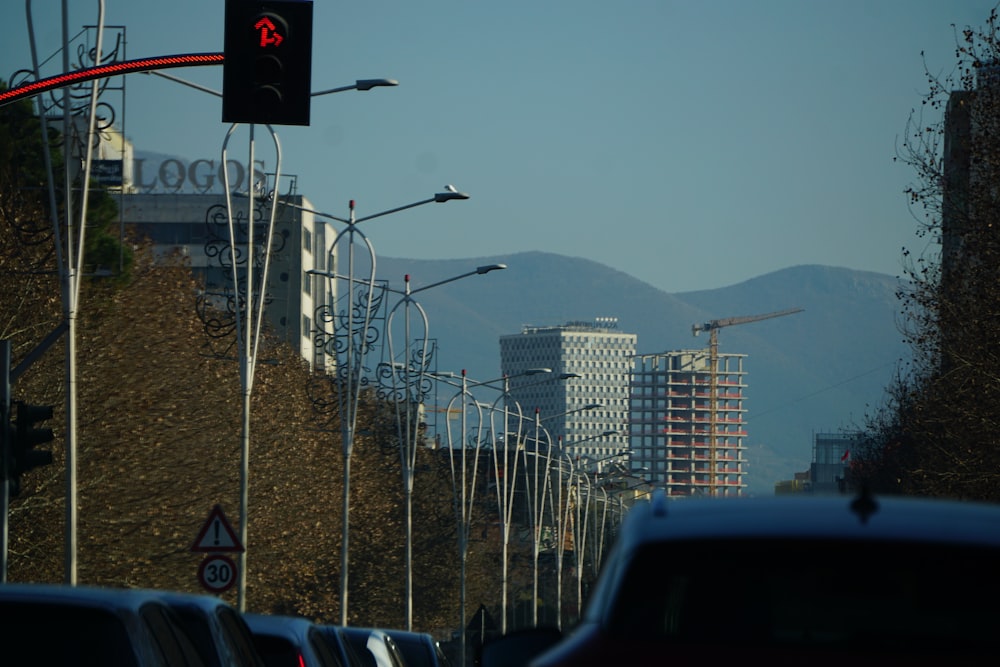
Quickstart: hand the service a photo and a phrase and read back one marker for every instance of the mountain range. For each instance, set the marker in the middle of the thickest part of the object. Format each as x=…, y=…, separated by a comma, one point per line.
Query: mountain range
x=820, y=370
x=817, y=371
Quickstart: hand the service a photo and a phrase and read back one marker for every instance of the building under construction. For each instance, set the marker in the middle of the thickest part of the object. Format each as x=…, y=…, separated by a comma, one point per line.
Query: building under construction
x=679, y=441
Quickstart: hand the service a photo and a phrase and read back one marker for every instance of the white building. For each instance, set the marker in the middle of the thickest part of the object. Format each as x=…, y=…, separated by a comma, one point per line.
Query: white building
x=599, y=359
x=196, y=226
x=180, y=206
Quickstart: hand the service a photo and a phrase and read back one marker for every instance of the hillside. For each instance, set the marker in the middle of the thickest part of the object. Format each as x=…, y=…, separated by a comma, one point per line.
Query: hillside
x=814, y=371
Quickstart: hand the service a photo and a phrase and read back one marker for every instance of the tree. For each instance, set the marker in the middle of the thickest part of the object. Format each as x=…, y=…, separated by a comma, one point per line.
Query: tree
x=938, y=432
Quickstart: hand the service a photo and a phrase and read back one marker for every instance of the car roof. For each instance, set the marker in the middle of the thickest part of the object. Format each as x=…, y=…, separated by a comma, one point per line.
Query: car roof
x=84, y=596
x=218, y=629
x=154, y=631
x=288, y=626
x=840, y=517
x=199, y=600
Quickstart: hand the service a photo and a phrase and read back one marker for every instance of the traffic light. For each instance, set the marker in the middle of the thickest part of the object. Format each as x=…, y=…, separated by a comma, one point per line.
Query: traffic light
x=26, y=436
x=267, y=73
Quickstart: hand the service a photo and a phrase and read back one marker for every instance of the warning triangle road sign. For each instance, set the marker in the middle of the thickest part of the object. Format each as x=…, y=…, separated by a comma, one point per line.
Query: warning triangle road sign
x=217, y=535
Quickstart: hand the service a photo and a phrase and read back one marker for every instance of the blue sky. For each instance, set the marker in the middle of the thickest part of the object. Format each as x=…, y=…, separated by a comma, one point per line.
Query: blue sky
x=690, y=144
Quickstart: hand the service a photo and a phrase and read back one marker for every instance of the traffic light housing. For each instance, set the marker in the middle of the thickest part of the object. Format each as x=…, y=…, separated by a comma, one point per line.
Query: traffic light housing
x=24, y=438
x=267, y=72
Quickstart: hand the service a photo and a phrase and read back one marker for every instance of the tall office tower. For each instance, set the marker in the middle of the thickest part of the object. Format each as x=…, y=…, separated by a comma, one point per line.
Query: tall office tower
x=583, y=403
x=679, y=442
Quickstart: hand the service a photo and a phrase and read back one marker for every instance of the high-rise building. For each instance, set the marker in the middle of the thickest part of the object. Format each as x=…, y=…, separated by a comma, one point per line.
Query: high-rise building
x=583, y=404
x=196, y=227
x=678, y=441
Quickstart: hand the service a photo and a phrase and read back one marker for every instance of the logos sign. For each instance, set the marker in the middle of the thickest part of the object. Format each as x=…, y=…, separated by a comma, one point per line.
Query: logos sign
x=199, y=176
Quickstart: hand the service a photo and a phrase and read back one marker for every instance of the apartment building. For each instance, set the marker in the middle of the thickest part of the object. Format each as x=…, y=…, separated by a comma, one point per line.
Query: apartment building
x=678, y=441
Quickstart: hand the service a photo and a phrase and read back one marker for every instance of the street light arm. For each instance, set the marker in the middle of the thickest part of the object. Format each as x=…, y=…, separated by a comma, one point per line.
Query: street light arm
x=314, y=212
x=360, y=84
x=445, y=375
x=591, y=406
x=393, y=210
x=440, y=197
x=478, y=272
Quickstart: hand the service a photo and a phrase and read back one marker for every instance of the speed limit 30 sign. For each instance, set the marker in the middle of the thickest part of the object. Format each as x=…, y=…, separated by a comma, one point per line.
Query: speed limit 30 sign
x=217, y=573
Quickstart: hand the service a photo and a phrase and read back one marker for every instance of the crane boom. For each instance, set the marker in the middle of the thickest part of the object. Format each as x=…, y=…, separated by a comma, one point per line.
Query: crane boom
x=712, y=327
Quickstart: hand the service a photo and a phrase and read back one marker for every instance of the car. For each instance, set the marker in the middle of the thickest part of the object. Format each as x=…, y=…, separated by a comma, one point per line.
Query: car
x=56, y=625
x=337, y=641
x=217, y=629
x=806, y=580
x=292, y=641
x=419, y=649
x=373, y=646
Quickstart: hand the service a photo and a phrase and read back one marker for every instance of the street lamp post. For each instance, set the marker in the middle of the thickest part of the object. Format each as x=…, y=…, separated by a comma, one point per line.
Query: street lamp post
x=579, y=547
x=506, y=474
x=537, y=512
x=404, y=380
x=249, y=317
x=537, y=509
x=561, y=511
x=349, y=342
x=463, y=497
x=248, y=323
x=464, y=489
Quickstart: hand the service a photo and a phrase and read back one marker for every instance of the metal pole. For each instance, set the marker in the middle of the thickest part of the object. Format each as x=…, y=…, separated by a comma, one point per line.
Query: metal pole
x=70, y=305
x=408, y=467
x=245, y=363
x=560, y=536
x=464, y=532
x=4, y=452
x=248, y=328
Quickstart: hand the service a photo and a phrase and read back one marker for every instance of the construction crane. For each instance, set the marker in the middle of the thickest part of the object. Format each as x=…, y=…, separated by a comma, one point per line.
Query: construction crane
x=712, y=327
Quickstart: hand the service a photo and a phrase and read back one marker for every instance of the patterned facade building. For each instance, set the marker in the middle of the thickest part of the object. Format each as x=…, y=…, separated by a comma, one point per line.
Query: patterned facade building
x=583, y=403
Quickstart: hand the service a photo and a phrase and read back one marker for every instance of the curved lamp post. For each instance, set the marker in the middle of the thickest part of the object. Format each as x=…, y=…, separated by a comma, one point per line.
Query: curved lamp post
x=538, y=507
x=464, y=496
x=249, y=317
x=407, y=380
x=579, y=547
x=507, y=470
x=463, y=487
x=349, y=343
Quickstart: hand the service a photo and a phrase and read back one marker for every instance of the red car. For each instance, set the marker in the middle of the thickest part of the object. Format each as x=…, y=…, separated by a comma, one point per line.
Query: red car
x=807, y=580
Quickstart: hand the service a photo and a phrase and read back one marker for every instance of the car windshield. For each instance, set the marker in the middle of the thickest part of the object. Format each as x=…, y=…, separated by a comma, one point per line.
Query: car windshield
x=836, y=594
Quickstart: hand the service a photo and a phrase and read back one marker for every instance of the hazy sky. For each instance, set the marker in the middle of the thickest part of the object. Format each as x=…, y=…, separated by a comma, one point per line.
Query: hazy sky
x=691, y=144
